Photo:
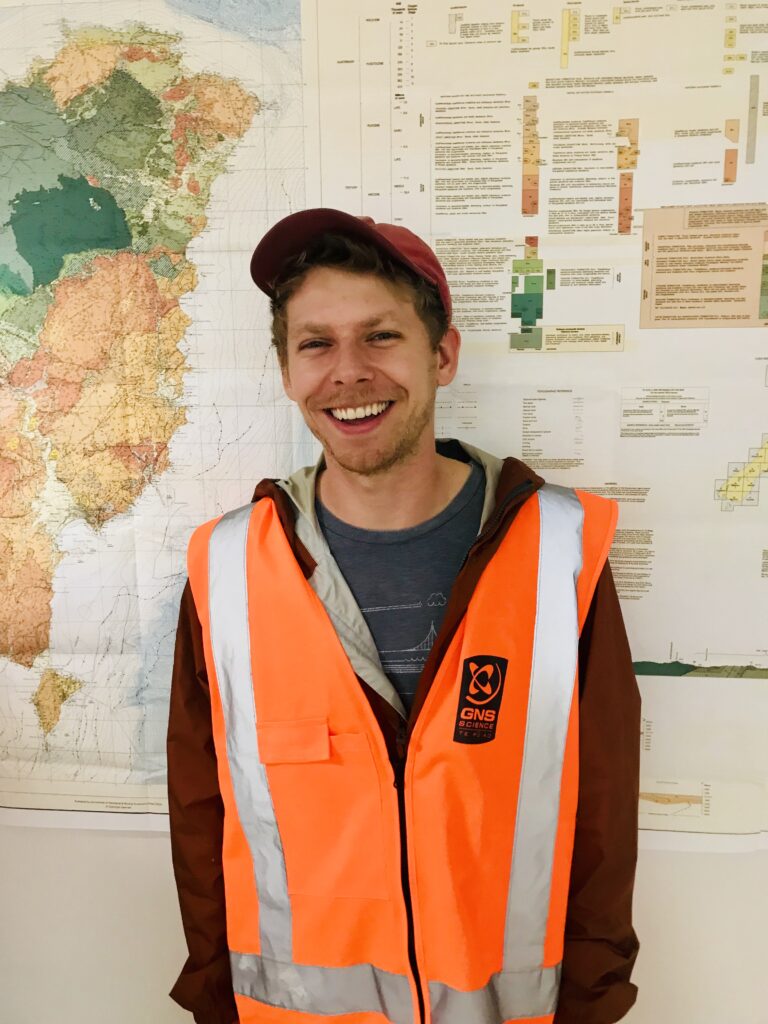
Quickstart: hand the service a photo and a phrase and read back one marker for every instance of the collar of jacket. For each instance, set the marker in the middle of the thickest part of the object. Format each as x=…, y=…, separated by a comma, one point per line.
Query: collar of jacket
x=508, y=482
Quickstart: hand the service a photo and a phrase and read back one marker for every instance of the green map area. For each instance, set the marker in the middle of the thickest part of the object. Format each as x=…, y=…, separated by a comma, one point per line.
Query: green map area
x=681, y=668
x=528, y=286
x=108, y=153
x=53, y=222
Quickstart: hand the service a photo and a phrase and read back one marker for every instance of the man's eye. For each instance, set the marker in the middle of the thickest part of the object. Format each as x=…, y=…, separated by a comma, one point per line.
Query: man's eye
x=313, y=343
x=383, y=334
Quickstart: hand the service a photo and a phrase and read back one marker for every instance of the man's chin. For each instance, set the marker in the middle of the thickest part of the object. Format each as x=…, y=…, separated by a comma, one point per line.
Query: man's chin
x=361, y=463
x=365, y=457
x=363, y=460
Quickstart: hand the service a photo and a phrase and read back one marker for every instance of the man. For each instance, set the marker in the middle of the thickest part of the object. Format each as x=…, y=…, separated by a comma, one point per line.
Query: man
x=404, y=729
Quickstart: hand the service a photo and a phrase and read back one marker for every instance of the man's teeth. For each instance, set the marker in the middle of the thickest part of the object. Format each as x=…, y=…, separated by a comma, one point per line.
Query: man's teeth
x=359, y=411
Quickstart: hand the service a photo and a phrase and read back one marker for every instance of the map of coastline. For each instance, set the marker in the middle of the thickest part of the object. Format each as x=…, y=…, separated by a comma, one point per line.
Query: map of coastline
x=108, y=154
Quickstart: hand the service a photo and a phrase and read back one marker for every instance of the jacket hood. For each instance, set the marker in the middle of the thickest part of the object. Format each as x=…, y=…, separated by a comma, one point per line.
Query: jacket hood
x=501, y=476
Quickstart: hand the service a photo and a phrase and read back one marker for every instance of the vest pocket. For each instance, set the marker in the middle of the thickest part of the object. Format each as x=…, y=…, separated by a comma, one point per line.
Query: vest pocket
x=326, y=794
x=294, y=742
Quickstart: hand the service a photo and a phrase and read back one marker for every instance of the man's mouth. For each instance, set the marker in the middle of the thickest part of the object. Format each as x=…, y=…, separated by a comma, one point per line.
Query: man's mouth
x=359, y=412
x=354, y=418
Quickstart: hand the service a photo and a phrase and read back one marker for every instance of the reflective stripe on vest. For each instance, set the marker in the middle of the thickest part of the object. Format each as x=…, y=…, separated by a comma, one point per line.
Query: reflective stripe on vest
x=273, y=977
x=230, y=641
x=521, y=994
x=328, y=990
x=523, y=987
x=553, y=671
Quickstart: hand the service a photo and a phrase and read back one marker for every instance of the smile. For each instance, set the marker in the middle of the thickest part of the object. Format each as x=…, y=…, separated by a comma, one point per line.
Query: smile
x=358, y=419
x=359, y=412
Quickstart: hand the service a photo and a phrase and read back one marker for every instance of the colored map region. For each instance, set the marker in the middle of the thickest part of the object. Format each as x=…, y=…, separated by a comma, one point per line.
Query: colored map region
x=672, y=798
x=681, y=668
x=519, y=27
x=730, y=166
x=742, y=485
x=626, y=162
x=529, y=282
x=570, y=32
x=680, y=801
x=108, y=153
x=531, y=156
x=53, y=690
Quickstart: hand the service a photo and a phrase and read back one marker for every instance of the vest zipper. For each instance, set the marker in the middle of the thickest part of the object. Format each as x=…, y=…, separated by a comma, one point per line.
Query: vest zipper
x=398, y=767
x=404, y=730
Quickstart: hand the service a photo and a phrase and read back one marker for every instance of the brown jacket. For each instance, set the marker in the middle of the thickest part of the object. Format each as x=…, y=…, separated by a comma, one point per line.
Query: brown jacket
x=600, y=943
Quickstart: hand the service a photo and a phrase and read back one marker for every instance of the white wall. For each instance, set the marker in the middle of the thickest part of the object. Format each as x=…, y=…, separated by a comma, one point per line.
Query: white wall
x=90, y=932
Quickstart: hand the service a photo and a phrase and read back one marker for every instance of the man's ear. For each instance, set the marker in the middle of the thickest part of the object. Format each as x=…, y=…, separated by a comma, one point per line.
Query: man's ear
x=448, y=356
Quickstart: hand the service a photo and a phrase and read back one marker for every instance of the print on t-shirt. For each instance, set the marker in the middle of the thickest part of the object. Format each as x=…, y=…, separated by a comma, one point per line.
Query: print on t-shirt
x=409, y=660
x=401, y=579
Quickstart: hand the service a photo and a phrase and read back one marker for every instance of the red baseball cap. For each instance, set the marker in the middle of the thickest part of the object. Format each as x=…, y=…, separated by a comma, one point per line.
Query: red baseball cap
x=294, y=233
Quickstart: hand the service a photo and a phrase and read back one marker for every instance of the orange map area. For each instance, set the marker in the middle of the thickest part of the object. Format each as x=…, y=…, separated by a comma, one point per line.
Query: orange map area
x=107, y=380
x=53, y=690
x=28, y=556
x=92, y=394
x=672, y=798
x=79, y=66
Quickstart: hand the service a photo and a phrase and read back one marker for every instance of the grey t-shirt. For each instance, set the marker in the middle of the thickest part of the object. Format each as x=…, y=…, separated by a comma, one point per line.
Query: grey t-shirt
x=402, y=578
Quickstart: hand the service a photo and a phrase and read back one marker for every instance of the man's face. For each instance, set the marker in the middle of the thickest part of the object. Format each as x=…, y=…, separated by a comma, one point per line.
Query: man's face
x=356, y=341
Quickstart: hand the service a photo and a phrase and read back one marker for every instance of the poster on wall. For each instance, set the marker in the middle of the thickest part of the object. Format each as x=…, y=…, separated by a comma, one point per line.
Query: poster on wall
x=596, y=193
x=139, y=161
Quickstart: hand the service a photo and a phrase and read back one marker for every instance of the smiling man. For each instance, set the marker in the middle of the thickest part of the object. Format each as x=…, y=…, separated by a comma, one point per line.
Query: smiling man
x=404, y=730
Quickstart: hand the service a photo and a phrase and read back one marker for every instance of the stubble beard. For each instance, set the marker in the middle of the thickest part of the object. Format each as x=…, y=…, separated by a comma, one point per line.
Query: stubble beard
x=373, y=463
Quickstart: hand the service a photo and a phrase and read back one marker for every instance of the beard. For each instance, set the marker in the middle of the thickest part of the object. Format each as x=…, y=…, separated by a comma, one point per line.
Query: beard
x=381, y=457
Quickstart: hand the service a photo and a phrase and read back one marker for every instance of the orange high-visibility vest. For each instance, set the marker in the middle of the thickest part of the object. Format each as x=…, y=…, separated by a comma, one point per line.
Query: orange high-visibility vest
x=317, y=918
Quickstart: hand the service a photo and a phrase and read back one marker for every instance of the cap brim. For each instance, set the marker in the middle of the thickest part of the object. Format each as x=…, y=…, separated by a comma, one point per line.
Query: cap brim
x=295, y=232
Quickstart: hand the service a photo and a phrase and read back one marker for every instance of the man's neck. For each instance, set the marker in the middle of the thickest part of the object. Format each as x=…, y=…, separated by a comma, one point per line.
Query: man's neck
x=404, y=496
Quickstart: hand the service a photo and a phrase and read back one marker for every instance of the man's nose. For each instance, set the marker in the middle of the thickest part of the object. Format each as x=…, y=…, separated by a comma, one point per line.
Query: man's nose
x=351, y=365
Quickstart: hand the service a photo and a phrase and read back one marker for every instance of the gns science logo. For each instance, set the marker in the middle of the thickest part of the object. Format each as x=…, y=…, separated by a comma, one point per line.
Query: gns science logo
x=482, y=686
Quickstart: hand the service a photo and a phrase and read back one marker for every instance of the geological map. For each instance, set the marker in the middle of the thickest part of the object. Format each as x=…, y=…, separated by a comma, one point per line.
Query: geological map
x=108, y=153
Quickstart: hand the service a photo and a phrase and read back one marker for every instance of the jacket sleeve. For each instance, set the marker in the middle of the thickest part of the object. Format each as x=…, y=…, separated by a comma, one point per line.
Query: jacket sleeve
x=196, y=815
x=600, y=942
